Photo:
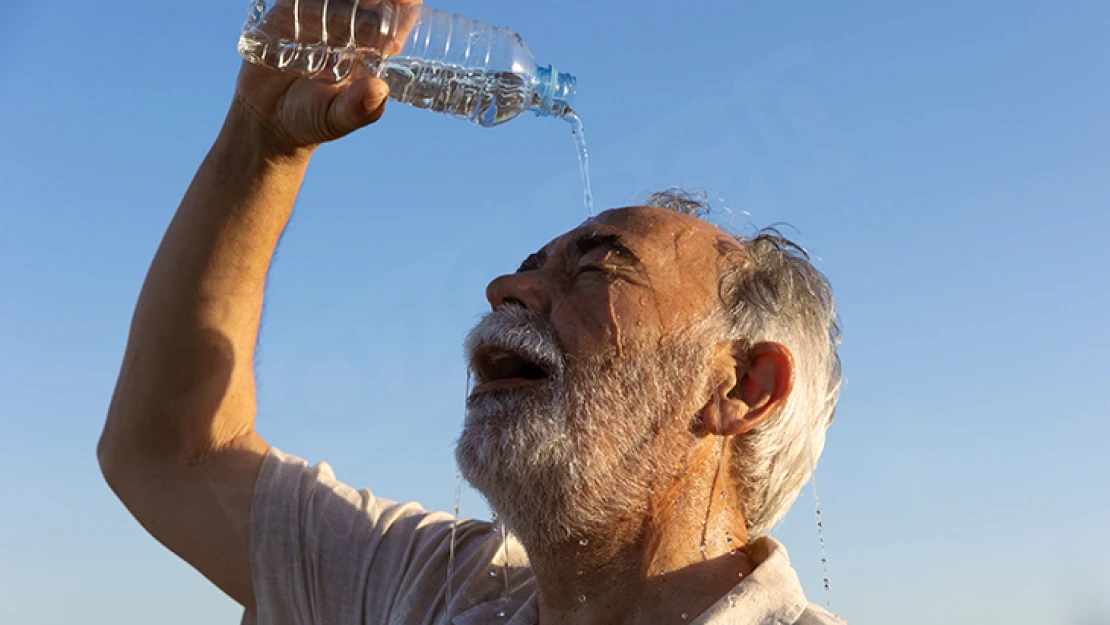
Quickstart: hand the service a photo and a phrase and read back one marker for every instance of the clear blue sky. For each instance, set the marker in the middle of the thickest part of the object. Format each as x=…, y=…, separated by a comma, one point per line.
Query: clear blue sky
x=948, y=164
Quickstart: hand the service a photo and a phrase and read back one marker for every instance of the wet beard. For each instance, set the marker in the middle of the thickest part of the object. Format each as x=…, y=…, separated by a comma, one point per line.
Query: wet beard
x=579, y=454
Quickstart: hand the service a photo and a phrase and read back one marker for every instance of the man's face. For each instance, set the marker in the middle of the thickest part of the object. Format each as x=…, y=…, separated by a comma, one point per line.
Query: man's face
x=589, y=370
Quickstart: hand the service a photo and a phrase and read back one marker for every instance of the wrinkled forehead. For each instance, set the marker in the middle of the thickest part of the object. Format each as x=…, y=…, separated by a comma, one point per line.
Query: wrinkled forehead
x=663, y=235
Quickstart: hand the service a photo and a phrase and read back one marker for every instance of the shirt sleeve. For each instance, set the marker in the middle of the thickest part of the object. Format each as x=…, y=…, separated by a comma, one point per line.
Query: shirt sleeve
x=324, y=553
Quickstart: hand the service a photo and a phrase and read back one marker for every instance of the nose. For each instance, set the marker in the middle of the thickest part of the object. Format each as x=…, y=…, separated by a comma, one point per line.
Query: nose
x=525, y=289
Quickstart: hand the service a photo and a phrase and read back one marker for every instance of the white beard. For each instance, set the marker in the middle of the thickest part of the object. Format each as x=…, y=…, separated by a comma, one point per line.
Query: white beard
x=572, y=456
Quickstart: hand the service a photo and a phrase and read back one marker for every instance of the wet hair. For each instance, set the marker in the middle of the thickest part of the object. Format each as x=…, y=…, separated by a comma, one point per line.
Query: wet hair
x=770, y=291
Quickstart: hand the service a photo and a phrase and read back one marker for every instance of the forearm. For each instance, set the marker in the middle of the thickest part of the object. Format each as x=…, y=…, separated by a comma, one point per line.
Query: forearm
x=186, y=386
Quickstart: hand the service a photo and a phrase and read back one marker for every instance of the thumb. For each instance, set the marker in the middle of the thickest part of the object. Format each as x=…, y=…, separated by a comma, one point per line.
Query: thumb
x=360, y=104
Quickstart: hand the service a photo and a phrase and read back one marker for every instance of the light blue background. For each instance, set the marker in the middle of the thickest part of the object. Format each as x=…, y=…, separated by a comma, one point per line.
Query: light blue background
x=947, y=163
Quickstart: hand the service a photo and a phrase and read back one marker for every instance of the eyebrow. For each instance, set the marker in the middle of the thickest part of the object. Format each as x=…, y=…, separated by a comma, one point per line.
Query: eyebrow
x=589, y=242
x=580, y=247
x=533, y=262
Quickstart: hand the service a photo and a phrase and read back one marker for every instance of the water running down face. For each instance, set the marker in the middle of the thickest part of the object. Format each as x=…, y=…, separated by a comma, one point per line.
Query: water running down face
x=589, y=372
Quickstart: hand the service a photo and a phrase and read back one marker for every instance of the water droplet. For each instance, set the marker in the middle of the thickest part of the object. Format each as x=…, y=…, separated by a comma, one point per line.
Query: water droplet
x=580, y=573
x=731, y=552
x=455, y=523
x=501, y=614
x=684, y=616
x=581, y=598
x=493, y=573
x=701, y=548
x=584, y=542
x=820, y=524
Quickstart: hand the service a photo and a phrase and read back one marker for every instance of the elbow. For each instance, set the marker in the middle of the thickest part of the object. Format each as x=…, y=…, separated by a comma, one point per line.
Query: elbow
x=109, y=447
x=127, y=455
x=115, y=458
x=106, y=458
x=121, y=468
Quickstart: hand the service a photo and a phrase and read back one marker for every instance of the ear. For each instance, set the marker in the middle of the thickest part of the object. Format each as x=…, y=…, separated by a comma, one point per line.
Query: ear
x=749, y=386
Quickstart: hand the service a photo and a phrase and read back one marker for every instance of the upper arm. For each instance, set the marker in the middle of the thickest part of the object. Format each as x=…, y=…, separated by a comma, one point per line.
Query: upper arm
x=201, y=511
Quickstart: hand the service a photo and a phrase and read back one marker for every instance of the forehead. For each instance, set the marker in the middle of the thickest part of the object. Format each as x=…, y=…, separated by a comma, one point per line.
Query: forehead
x=654, y=232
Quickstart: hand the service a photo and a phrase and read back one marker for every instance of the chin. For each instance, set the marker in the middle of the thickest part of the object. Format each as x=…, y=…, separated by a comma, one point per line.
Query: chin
x=550, y=483
x=511, y=454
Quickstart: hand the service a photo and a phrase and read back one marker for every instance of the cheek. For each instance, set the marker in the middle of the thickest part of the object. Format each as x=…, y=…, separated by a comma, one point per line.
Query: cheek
x=583, y=323
x=609, y=316
x=683, y=307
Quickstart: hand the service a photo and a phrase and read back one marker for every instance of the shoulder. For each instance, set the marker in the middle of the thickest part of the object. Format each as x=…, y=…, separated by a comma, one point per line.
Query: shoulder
x=816, y=615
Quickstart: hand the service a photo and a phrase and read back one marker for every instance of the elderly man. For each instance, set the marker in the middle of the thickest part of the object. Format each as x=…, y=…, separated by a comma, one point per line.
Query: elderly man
x=649, y=395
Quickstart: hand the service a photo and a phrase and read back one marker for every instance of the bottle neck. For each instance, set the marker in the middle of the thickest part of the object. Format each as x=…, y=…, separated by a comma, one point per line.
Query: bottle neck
x=553, y=92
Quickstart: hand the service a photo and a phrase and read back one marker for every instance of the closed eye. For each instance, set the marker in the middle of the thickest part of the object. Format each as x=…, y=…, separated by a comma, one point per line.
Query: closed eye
x=590, y=269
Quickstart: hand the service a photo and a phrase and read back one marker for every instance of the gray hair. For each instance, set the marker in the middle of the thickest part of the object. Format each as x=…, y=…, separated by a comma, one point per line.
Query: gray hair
x=771, y=292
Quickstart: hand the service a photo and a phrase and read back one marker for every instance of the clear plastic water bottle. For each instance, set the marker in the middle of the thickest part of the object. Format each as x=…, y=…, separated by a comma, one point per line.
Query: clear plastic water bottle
x=430, y=59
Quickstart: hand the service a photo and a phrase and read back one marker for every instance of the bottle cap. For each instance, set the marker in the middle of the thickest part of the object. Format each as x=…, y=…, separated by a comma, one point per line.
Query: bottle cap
x=554, y=91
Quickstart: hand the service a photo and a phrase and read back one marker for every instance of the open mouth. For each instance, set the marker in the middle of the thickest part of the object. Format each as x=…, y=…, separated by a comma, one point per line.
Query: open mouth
x=497, y=368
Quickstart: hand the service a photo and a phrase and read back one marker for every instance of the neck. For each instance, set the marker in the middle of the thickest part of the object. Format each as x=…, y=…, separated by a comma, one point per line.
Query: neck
x=688, y=553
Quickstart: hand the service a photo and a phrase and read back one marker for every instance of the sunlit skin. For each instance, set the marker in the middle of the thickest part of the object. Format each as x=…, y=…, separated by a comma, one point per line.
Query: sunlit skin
x=635, y=276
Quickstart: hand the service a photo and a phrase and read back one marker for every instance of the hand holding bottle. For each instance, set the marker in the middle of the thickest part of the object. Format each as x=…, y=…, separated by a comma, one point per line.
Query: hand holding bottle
x=294, y=113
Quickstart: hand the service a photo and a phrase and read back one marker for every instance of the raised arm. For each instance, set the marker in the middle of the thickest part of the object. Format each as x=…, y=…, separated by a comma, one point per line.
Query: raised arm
x=179, y=445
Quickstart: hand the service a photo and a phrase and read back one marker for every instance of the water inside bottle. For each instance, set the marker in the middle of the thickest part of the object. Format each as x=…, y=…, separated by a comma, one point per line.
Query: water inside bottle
x=576, y=130
x=485, y=98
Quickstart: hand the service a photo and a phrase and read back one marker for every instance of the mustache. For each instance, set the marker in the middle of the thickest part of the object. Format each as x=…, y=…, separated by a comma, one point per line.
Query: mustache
x=520, y=331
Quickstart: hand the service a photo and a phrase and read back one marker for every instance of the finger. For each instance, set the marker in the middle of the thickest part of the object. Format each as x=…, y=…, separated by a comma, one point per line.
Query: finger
x=360, y=104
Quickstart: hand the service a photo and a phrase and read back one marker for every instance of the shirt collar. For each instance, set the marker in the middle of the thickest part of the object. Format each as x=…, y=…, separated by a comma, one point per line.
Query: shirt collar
x=771, y=595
